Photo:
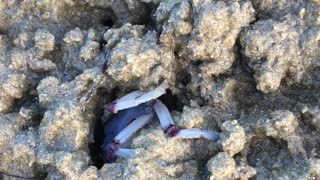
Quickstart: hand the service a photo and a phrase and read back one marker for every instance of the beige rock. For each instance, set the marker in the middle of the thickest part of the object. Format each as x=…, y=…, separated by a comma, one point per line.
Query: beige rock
x=277, y=49
x=44, y=40
x=245, y=172
x=197, y=118
x=140, y=59
x=112, y=171
x=314, y=167
x=232, y=138
x=12, y=86
x=74, y=166
x=312, y=116
x=221, y=166
x=282, y=124
x=74, y=36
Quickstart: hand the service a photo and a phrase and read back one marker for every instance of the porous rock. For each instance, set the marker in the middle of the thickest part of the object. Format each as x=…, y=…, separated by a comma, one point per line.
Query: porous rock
x=232, y=138
x=221, y=166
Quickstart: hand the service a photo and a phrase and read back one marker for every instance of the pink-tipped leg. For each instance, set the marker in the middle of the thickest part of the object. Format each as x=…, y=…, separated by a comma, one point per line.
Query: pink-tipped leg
x=113, y=150
x=132, y=128
x=170, y=129
x=114, y=106
x=163, y=114
x=135, y=99
x=193, y=133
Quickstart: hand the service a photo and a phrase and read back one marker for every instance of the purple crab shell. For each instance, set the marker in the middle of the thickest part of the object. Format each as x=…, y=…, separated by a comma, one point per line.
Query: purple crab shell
x=115, y=124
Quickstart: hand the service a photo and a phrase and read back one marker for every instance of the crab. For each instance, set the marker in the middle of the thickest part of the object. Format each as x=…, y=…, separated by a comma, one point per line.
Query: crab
x=135, y=110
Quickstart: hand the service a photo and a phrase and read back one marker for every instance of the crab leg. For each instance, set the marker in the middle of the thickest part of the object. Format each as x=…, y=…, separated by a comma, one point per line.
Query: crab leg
x=197, y=133
x=129, y=102
x=132, y=128
x=131, y=96
x=169, y=128
x=163, y=115
x=113, y=150
x=124, y=153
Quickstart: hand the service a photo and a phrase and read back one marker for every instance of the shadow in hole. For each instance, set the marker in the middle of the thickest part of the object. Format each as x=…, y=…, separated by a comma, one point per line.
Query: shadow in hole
x=96, y=153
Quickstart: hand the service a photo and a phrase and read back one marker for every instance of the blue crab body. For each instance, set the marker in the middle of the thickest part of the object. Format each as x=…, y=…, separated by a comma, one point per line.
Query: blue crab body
x=116, y=123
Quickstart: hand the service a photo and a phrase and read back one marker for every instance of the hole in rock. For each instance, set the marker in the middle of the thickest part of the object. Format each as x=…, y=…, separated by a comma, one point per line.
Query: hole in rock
x=107, y=22
x=96, y=153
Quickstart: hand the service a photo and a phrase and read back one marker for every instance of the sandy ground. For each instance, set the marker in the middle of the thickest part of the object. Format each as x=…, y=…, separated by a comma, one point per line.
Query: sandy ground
x=247, y=69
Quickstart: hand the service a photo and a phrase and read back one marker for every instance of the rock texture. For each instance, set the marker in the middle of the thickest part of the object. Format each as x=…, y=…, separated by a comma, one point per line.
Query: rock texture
x=249, y=70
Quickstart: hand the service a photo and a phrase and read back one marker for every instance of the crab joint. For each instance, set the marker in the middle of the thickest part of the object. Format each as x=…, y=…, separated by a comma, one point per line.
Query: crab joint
x=111, y=107
x=172, y=131
x=116, y=150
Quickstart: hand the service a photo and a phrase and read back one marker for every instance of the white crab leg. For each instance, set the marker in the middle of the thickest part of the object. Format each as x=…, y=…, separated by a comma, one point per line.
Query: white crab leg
x=124, y=153
x=113, y=107
x=167, y=124
x=197, y=133
x=126, y=134
x=132, y=128
x=153, y=94
x=163, y=114
x=128, y=103
x=131, y=96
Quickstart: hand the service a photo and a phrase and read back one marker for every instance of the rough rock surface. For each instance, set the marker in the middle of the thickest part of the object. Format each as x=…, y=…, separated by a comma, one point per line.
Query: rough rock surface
x=222, y=166
x=204, y=30
x=233, y=137
x=137, y=59
x=66, y=128
x=283, y=50
x=249, y=70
